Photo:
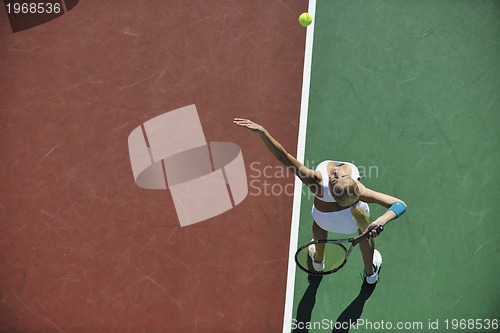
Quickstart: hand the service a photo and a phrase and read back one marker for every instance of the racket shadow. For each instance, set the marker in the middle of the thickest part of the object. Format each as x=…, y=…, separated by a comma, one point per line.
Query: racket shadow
x=306, y=304
x=354, y=310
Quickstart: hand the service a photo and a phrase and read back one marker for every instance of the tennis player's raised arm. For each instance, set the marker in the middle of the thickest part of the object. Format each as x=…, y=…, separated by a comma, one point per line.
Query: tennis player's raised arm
x=306, y=175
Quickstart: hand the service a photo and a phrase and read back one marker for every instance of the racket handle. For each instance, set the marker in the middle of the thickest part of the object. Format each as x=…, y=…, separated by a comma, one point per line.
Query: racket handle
x=378, y=229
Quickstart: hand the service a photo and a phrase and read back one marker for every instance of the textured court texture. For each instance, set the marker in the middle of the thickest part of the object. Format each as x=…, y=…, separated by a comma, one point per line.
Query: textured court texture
x=409, y=91
x=82, y=248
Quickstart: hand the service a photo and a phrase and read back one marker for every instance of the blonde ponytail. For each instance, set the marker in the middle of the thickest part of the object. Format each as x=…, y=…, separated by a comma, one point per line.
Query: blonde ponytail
x=360, y=216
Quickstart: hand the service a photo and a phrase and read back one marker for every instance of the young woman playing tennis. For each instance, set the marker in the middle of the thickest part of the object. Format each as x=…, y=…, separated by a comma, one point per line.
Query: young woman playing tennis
x=340, y=203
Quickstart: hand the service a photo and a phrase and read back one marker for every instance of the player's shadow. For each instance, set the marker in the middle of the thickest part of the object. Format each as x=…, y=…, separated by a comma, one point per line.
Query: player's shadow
x=353, y=312
x=306, y=304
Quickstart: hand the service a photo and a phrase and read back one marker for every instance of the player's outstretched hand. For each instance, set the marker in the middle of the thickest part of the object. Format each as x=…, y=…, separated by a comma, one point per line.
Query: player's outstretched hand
x=248, y=124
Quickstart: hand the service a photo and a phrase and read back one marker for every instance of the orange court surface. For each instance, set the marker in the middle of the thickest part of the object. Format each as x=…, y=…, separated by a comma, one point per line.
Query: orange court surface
x=83, y=248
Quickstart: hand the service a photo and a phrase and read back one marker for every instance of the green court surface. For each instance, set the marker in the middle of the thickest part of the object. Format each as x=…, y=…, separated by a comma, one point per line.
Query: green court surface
x=409, y=91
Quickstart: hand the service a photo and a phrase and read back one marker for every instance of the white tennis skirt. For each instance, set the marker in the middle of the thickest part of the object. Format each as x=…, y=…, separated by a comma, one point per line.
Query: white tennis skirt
x=341, y=221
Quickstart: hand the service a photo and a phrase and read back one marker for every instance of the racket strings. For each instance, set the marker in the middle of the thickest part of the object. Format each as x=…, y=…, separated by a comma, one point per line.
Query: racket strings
x=328, y=257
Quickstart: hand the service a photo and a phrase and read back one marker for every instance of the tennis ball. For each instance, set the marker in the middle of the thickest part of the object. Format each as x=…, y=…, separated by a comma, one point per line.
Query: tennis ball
x=305, y=19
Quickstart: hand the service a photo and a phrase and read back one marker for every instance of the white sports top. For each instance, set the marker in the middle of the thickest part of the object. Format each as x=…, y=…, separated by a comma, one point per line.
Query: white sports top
x=327, y=195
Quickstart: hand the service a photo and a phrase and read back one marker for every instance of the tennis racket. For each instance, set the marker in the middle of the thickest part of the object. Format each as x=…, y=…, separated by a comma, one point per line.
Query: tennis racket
x=335, y=254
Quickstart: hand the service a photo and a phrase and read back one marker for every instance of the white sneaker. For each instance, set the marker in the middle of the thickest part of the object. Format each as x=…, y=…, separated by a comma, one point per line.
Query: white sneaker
x=318, y=266
x=377, y=262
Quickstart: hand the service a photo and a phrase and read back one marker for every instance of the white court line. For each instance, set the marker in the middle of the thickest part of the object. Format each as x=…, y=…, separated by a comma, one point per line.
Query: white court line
x=297, y=196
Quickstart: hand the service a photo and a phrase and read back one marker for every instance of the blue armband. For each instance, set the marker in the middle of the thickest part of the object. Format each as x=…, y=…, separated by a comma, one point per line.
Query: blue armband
x=398, y=208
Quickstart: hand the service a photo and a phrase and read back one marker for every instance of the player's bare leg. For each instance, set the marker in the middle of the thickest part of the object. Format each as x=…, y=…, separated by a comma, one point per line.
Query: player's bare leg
x=319, y=233
x=367, y=246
